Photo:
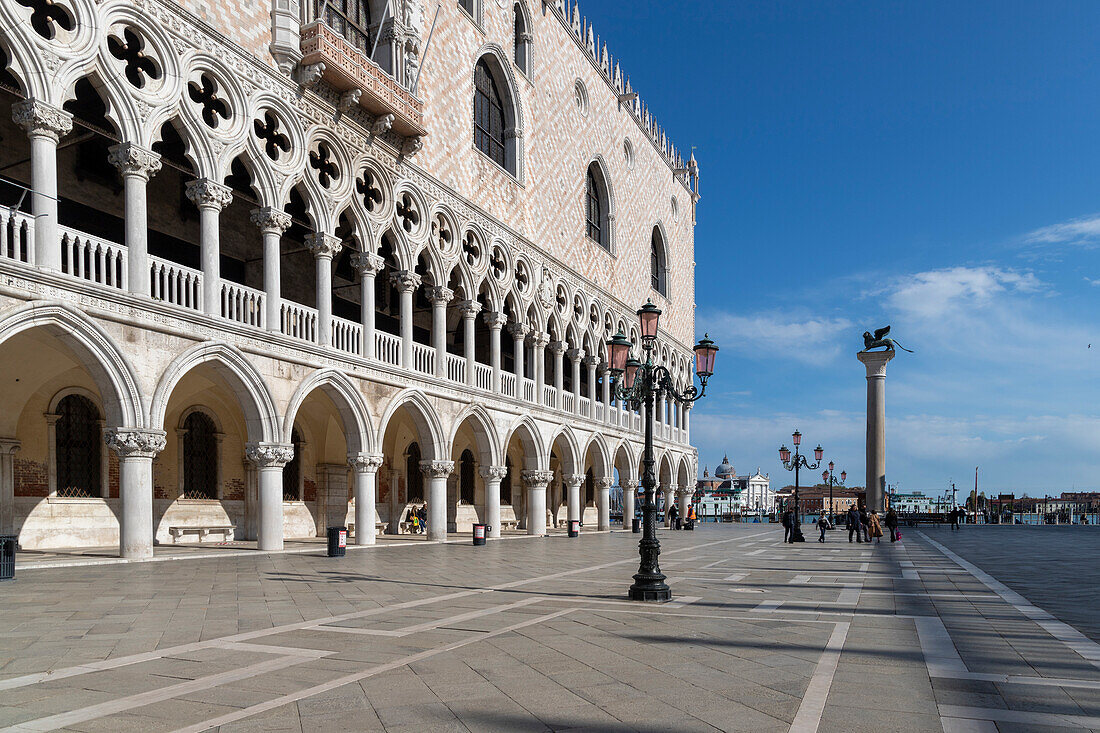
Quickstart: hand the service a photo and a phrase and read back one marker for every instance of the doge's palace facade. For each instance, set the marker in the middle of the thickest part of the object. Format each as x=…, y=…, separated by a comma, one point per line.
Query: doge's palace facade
x=273, y=265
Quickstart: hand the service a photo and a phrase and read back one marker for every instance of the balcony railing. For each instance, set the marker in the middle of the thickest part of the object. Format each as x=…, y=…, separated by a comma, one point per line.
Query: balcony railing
x=456, y=368
x=528, y=389
x=423, y=358
x=387, y=348
x=89, y=258
x=16, y=235
x=508, y=384
x=549, y=396
x=175, y=284
x=347, y=335
x=243, y=305
x=483, y=376
x=298, y=321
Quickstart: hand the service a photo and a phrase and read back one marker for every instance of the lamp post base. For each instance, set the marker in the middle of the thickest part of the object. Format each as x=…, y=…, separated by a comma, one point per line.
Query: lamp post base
x=650, y=588
x=796, y=534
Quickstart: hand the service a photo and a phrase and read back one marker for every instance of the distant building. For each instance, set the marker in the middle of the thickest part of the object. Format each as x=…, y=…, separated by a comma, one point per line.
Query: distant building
x=732, y=493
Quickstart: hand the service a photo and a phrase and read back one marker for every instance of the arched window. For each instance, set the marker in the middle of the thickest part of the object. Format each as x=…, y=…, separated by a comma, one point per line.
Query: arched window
x=78, y=447
x=200, y=457
x=466, y=478
x=658, y=269
x=506, y=482
x=413, y=475
x=522, y=40
x=596, y=209
x=489, y=119
x=292, y=472
x=468, y=6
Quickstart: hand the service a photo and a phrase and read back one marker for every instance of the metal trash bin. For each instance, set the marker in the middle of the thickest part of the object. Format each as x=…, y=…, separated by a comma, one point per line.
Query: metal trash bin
x=337, y=541
x=7, y=556
x=479, y=534
x=635, y=525
x=574, y=528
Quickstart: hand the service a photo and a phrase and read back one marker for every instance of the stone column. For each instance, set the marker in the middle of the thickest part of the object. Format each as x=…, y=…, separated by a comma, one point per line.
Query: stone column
x=538, y=343
x=685, y=501
x=603, y=503
x=136, y=449
x=572, y=483
x=272, y=223
x=406, y=282
x=575, y=356
x=437, y=472
x=875, y=362
x=630, y=491
x=269, y=459
x=440, y=297
x=606, y=374
x=8, y=448
x=44, y=125
x=592, y=362
x=469, y=309
x=493, y=476
x=324, y=247
x=366, y=467
x=666, y=490
x=519, y=333
x=211, y=197
x=558, y=349
x=137, y=166
x=495, y=321
x=368, y=266
x=687, y=423
x=535, y=482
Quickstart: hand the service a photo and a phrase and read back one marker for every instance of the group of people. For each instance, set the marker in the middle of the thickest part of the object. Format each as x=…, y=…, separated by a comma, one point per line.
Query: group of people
x=863, y=526
x=418, y=518
x=688, y=519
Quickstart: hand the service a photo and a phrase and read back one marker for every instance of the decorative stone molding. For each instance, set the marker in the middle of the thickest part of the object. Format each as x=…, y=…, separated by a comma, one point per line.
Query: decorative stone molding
x=268, y=455
x=494, y=319
x=270, y=219
x=382, y=125
x=440, y=294
x=540, y=339
x=134, y=160
x=9, y=446
x=207, y=194
x=368, y=462
x=309, y=75
x=40, y=119
x=135, y=442
x=571, y=480
x=518, y=330
x=349, y=100
x=324, y=245
x=411, y=146
x=627, y=485
x=469, y=308
x=366, y=263
x=537, y=479
x=406, y=281
x=558, y=348
x=437, y=469
x=591, y=361
x=575, y=354
x=493, y=473
x=603, y=483
x=875, y=361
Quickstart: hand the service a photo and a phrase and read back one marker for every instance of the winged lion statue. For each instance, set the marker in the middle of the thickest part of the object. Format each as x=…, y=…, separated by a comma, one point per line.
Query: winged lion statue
x=880, y=339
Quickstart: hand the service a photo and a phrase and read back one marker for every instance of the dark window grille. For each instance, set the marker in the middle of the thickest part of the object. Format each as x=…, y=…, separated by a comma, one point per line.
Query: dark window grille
x=413, y=474
x=589, y=487
x=466, y=478
x=349, y=18
x=292, y=472
x=488, y=114
x=78, y=447
x=467, y=5
x=506, y=483
x=594, y=214
x=200, y=457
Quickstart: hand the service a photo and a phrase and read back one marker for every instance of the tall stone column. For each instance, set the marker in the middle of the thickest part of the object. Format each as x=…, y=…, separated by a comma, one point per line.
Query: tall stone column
x=519, y=345
x=687, y=423
x=606, y=398
x=272, y=223
x=495, y=320
x=603, y=503
x=368, y=266
x=406, y=282
x=44, y=125
x=366, y=468
x=591, y=362
x=437, y=472
x=538, y=343
x=136, y=449
x=269, y=459
x=535, y=483
x=558, y=349
x=493, y=476
x=666, y=493
x=439, y=297
x=875, y=362
x=8, y=449
x=572, y=483
x=685, y=500
x=210, y=197
x=324, y=247
x=469, y=309
x=630, y=492
x=137, y=165
x=575, y=356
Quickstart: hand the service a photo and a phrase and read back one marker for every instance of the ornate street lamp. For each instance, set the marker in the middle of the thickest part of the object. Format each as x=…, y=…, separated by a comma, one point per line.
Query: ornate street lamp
x=638, y=384
x=829, y=478
x=793, y=464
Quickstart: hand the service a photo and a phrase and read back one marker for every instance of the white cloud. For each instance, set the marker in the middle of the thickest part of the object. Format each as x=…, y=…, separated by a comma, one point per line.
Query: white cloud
x=1084, y=231
x=934, y=294
x=773, y=334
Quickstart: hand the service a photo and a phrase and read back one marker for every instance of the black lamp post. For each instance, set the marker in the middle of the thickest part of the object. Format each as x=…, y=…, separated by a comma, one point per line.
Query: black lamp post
x=831, y=480
x=638, y=384
x=793, y=464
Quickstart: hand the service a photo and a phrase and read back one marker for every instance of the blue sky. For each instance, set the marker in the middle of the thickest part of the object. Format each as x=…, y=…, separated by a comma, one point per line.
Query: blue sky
x=931, y=165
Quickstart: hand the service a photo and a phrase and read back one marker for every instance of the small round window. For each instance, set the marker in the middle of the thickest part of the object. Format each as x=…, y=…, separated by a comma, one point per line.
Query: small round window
x=580, y=96
x=628, y=153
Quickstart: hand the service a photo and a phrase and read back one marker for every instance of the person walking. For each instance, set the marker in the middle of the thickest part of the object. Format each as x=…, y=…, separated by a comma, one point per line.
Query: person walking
x=854, y=524
x=673, y=517
x=955, y=519
x=891, y=522
x=865, y=523
x=785, y=520
x=822, y=525
x=874, y=525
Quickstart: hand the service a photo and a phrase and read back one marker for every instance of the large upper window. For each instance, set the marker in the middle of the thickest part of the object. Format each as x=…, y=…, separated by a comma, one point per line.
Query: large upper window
x=468, y=6
x=489, y=118
x=349, y=18
x=79, y=439
x=597, y=222
x=522, y=40
x=658, y=269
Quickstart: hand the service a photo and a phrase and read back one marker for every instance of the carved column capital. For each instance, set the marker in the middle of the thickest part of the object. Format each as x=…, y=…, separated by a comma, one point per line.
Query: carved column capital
x=405, y=281
x=134, y=160
x=440, y=295
x=628, y=485
x=9, y=446
x=368, y=462
x=604, y=483
x=264, y=455
x=469, y=308
x=207, y=194
x=366, y=263
x=437, y=469
x=591, y=361
x=494, y=473
x=270, y=219
x=518, y=330
x=558, y=348
x=572, y=480
x=322, y=245
x=537, y=479
x=539, y=339
x=135, y=442
x=575, y=355
x=494, y=319
x=39, y=119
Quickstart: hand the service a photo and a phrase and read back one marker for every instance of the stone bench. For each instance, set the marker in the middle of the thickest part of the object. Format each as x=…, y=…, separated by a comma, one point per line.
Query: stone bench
x=226, y=532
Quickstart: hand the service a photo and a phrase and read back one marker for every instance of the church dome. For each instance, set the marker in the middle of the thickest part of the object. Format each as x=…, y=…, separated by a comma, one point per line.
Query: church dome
x=725, y=470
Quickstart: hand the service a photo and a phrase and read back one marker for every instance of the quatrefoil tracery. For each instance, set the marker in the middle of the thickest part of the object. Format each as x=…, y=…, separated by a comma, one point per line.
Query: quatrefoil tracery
x=522, y=278
x=471, y=249
x=441, y=233
x=407, y=213
x=130, y=50
x=47, y=16
x=275, y=142
x=368, y=188
x=321, y=161
x=205, y=94
x=498, y=265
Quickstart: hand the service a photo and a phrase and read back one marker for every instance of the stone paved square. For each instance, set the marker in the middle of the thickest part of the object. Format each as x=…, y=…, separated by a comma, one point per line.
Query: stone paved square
x=535, y=634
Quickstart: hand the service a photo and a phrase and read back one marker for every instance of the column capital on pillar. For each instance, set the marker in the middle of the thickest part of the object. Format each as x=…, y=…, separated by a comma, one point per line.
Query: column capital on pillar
x=591, y=361
x=494, y=319
x=264, y=455
x=604, y=483
x=537, y=479
x=368, y=462
x=270, y=219
x=437, y=469
x=437, y=294
x=518, y=330
x=135, y=442
x=540, y=339
x=558, y=348
x=875, y=361
x=207, y=194
x=469, y=308
x=405, y=281
x=575, y=355
x=572, y=479
x=495, y=473
x=366, y=263
x=323, y=246
x=10, y=446
x=134, y=160
x=39, y=119
x=628, y=485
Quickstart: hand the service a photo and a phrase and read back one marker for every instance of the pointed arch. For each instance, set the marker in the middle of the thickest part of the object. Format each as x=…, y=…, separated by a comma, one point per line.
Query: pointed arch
x=626, y=461
x=602, y=460
x=683, y=473
x=599, y=204
x=573, y=457
x=261, y=418
x=423, y=415
x=349, y=404
x=487, y=441
x=658, y=259
x=493, y=77
x=528, y=433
